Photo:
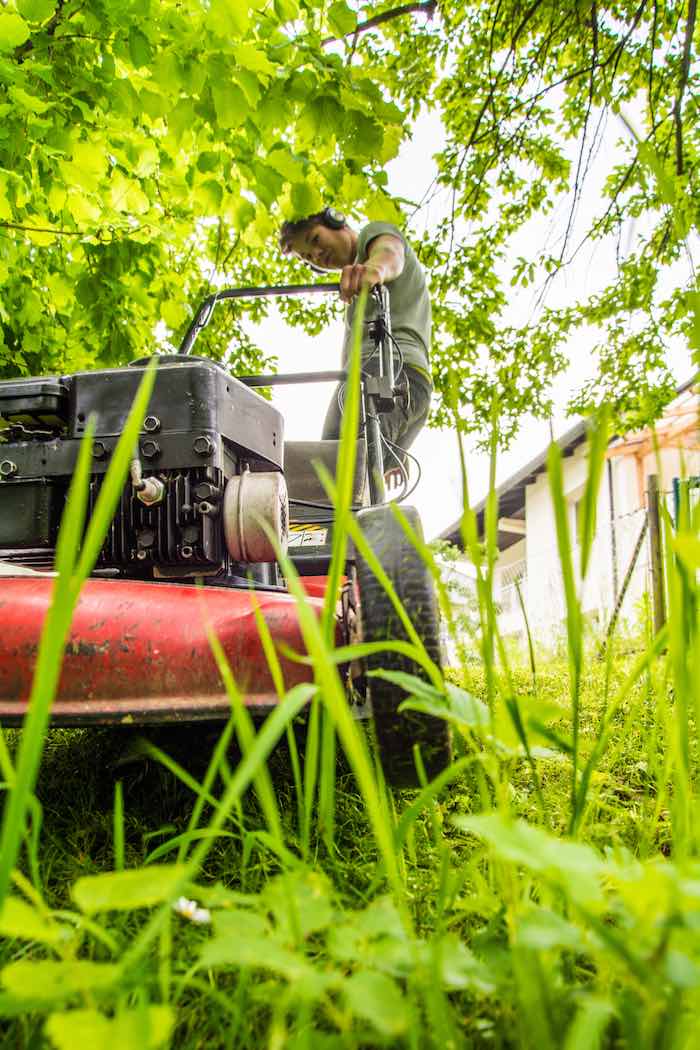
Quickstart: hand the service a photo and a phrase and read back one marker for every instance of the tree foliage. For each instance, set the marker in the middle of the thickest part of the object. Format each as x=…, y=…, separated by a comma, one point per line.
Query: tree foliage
x=149, y=150
x=529, y=94
x=147, y=144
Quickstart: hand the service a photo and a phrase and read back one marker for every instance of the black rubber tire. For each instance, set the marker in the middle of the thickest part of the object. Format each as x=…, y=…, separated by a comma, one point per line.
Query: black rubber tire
x=398, y=733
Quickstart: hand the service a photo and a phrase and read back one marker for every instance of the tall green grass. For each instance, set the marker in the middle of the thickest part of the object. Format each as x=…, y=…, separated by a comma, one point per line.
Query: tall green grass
x=542, y=892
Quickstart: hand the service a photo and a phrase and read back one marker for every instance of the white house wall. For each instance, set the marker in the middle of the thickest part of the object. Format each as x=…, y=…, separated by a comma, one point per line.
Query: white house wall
x=505, y=594
x=542, y=587
x=545, y=605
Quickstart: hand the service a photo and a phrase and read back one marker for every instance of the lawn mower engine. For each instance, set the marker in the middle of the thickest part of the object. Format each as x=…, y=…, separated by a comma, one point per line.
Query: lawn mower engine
x=205, y=479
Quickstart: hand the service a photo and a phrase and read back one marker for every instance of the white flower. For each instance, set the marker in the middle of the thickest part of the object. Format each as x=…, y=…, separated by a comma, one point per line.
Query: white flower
x=191, y=910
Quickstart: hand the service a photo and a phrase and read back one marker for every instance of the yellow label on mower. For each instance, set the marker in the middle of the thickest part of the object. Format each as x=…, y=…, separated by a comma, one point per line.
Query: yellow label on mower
x=307, y=535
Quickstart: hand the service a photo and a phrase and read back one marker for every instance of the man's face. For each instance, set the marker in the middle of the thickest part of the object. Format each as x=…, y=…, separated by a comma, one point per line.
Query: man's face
x=328, y=249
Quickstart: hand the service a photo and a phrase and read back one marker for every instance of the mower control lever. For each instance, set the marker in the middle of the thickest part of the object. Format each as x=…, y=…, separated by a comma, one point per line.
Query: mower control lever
x=206, y=309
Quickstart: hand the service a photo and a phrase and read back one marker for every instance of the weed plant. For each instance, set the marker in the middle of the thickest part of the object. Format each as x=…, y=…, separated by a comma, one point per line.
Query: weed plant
x=543, y=892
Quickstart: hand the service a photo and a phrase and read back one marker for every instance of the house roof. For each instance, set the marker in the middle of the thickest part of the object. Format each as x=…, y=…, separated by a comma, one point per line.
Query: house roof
x=511, y=494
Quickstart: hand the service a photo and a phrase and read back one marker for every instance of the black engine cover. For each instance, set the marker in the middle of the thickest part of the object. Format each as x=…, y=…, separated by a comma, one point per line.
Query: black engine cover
x=202, y=427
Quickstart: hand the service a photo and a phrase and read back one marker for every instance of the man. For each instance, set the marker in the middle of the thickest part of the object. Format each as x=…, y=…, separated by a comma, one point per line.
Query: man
x=378, y=254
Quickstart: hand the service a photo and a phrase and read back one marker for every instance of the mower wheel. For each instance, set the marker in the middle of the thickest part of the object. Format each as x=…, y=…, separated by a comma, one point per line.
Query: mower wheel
x=398, y=733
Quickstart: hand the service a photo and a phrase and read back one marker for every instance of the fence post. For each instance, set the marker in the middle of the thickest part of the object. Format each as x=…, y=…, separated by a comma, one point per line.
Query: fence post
x=623, y=590
x=657, y=564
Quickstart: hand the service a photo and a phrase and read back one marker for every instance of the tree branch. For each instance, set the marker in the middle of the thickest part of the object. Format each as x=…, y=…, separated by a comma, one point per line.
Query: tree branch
x=45, y=229
x=685, y=67
x=49, y=29
x=589, y=107
x=428, y=7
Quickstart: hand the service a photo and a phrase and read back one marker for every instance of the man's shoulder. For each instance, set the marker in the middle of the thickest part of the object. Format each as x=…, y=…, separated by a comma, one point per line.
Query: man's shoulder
x=376, y=229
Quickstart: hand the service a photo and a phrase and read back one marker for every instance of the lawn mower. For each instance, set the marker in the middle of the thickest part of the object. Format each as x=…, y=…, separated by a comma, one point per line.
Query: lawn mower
x=211, y=481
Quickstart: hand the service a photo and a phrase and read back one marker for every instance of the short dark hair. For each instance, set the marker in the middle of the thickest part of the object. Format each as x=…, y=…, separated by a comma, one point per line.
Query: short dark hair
x=289, y=230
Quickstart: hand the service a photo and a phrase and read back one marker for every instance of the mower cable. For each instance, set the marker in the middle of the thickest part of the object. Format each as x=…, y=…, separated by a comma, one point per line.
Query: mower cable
x=320, y=506
x=414, y=486
x=401, y=465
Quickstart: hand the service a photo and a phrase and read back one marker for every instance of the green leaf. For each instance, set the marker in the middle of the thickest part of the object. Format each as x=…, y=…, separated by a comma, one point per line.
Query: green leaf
x=5, y=205
x=231, y=106
x=144, y=1029
x=124, y=890
x=242, y=213
x=374, y=937
x=681, y=970
x=265, y=953
x=166, y=73
x=458, y=966
x=571, y=865
x=305, y=199
x=252, y=58
x=269, y=185
x=542, y=930
x=458, y=706
x=139, y=48
x=687, y=547
x=51, y=981
x=376, y=998
x=287, y=164
x=252, y=87
x=19, y=919
x=36, y=10
x=13, y=31
x=173, y=313
x=587, y=1029
x=228, y=17
x=237, y=923
x=286, y=10
x=341, y=18
x=694, y=303
x=363, y=137
x=664, y=181
x=31, y=103
x=300, y=902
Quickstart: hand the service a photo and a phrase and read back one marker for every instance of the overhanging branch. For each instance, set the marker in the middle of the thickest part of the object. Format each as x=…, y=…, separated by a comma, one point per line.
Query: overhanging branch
x=685, y=67
x=428, y=8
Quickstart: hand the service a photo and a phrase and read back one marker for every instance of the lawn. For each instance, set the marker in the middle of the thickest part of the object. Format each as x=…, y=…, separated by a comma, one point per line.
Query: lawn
x=500, y=931
x=258, y=886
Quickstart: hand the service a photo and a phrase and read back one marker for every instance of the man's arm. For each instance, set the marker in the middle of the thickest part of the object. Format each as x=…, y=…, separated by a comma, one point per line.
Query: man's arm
x=385, y=261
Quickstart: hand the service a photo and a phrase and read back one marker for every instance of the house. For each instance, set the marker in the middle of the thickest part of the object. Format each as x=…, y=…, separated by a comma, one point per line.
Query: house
x=527, y=543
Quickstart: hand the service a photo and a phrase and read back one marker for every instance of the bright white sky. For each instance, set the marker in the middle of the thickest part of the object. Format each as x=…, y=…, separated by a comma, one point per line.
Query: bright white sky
x=438, y=496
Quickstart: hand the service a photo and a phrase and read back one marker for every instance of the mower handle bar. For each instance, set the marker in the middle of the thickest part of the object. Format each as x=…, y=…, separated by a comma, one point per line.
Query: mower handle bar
x=203, y=316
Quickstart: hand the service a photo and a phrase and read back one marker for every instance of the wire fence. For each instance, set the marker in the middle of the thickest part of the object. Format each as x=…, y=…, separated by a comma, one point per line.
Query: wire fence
x=620, y=557
x=624, y=587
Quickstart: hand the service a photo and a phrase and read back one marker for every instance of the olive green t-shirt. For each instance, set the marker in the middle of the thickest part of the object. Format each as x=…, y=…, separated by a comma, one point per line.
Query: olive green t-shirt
x=409, y=304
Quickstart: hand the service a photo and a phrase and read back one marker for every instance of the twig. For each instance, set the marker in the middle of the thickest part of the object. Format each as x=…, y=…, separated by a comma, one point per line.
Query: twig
x=677, y=118
x=49, y=29
x=652, y=45
x=428, y=7
x=47, y=229
x=589, y=106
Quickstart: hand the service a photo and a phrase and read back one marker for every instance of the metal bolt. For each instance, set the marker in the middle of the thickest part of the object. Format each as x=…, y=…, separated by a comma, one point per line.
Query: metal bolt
x=8, y=468
x=205, y=490
x=99, y=449
x=146, y=538
x=207, y=508
x=151, y=424
x=186, y=551
x=150, y=449
x=203, y=445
